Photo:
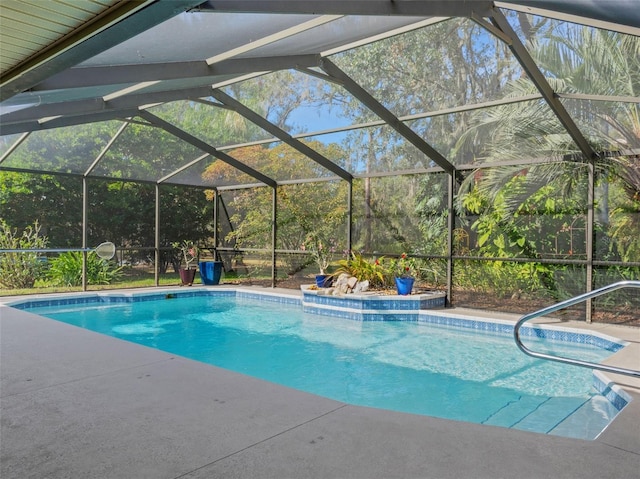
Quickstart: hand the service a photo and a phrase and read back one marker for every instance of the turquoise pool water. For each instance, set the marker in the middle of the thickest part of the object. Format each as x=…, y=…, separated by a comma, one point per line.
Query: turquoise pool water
x=403, y=366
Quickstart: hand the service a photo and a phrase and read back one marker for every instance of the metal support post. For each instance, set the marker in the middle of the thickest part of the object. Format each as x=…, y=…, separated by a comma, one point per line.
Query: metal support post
x=349, y=217
x=216, y=216
x=85, y=208
x=451, y=223
x=156, y=246
x=274, y=227
x=589, y=232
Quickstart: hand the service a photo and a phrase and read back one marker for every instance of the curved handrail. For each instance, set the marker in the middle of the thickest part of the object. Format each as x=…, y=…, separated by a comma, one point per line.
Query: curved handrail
x=565, y=304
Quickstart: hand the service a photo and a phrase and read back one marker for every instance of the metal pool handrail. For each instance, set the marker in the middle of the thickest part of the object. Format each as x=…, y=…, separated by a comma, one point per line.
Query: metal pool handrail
x=565, y=304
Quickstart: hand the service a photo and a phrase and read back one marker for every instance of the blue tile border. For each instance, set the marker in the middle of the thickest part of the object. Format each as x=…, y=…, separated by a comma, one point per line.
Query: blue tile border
x=271, y=297
x=456, y=322
x=506, y=327
x=572, y=337
x=357, y=308
x=614, y=393
x=365, y=307
x=95, y=298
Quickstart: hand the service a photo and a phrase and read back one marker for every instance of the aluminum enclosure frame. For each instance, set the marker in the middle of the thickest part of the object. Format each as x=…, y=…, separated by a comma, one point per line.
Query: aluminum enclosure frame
x=59, y=68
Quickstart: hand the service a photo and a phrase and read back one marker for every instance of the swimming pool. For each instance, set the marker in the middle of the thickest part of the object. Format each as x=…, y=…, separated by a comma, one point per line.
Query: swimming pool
x=416, y=367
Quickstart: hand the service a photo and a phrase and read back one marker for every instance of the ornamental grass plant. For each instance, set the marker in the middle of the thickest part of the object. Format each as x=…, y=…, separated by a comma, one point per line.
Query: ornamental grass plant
x=380, y=272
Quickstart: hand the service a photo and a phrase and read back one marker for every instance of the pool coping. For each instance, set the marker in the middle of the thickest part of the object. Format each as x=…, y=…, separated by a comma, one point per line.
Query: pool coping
x=205, y=422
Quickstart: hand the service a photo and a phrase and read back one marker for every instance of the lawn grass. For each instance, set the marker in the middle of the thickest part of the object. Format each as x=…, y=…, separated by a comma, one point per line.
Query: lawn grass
x=138, y=281
x=132, y=278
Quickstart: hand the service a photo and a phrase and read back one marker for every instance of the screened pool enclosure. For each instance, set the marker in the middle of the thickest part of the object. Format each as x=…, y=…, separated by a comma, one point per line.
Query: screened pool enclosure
x=495, y=143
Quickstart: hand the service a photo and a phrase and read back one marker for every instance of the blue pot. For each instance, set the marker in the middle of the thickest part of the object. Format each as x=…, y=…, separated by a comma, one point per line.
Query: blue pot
x=324, y=280
x=404, y=285
x=210, y=272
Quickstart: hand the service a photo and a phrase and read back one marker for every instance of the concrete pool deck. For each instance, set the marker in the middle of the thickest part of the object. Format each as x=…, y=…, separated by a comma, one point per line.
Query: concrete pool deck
x=78, y=404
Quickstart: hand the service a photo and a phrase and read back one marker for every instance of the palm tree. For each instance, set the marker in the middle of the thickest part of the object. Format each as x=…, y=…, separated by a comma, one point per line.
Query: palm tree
x=575, y=60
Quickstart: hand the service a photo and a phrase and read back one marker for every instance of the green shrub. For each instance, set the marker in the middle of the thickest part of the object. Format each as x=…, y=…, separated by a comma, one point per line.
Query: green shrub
x=20, y=270
x=503, y=279
x=66, y=270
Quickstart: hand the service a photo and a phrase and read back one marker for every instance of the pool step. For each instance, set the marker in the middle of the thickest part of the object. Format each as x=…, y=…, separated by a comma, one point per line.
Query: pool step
x=515, y=411
x=549, y=414
x=588, y=421
x=559, y=416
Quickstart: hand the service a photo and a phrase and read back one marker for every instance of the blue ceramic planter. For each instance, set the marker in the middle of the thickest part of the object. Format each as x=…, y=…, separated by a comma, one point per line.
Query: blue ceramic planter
x=404, y=285
x=210, y=272
x=324, y=280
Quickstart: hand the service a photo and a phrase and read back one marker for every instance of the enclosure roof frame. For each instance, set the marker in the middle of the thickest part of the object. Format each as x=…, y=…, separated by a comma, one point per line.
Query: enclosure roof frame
x=74, y=76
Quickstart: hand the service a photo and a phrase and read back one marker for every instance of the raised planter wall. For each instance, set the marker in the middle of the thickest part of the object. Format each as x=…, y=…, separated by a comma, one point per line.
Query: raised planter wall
x=370, y=307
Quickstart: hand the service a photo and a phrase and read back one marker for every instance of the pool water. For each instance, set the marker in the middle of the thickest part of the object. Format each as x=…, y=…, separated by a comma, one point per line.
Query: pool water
x=402, y=366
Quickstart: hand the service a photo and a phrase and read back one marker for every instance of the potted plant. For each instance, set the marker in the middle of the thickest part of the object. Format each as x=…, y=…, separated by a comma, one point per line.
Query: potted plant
x=322, y=251
x=190, y=253
x=403, y=269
